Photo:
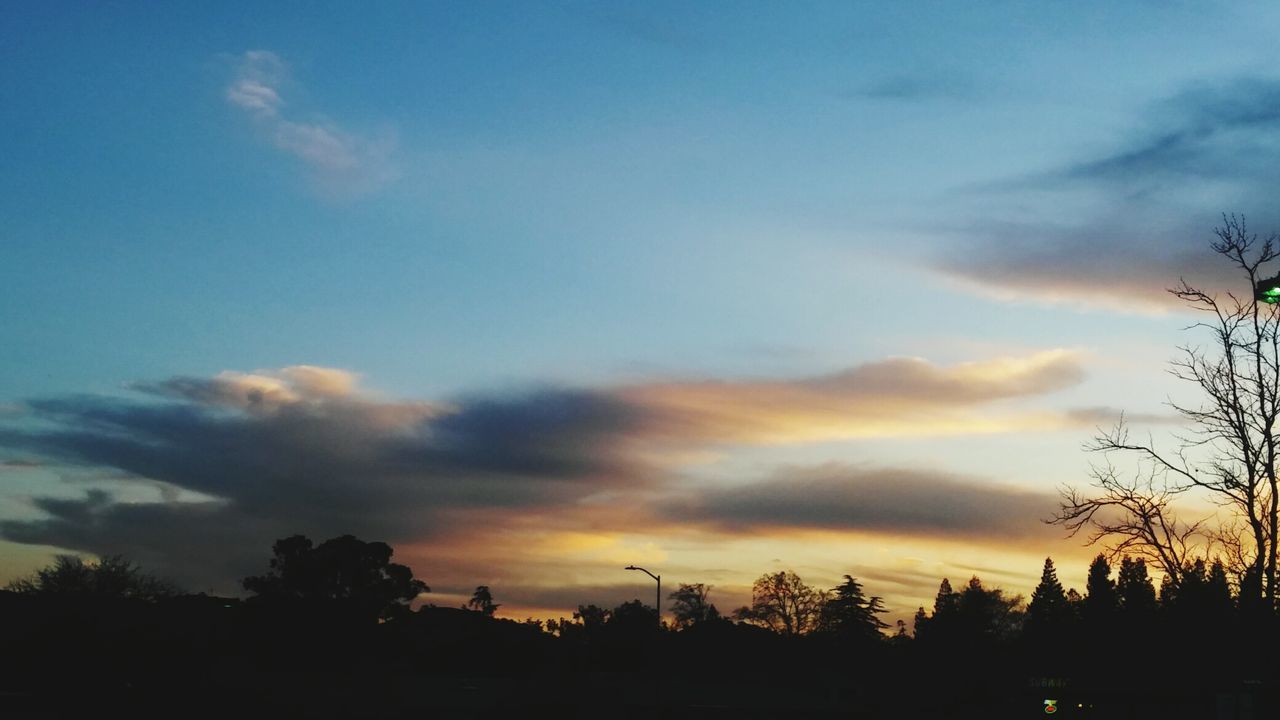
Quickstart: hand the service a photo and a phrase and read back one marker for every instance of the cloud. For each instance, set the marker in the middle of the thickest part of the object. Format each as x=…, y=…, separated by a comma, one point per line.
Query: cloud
x=302, y=450
x=254, y=88
x=1118, y=229
x=21, y=464
x=1106, y=417
x=1122, y=263
x=854, y=498
x=339, y=162
x=248, y=457
x=899, y=396
x=1206, y=131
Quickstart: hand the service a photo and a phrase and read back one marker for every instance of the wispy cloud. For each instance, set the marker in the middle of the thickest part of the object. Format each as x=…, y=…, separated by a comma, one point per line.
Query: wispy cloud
x=898, y=396
x=1117, y=229
x=920, y=85
x=338, y=161
x=20, y=464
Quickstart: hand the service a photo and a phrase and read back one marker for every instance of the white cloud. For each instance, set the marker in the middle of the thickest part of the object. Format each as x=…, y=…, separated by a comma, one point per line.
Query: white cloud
x=339, y=162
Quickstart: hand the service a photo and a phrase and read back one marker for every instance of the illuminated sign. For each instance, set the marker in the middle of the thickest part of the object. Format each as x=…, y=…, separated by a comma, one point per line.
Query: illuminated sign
x=1050, y=707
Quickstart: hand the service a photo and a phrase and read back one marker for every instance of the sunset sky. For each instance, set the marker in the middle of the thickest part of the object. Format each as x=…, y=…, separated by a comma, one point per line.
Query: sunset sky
x=534, y=291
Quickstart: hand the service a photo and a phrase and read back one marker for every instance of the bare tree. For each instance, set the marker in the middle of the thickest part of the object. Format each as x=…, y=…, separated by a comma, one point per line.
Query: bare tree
x=1228, y=450
x=783, y=603
x=1130, y=515
x=689, y=605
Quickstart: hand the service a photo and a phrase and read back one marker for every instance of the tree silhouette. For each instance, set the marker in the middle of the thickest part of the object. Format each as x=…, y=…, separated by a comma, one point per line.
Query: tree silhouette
x=1137, y=596
x=633, y=617
x=592, y=617
x=1232, y=452
x=482, y=601
x=975, y=615
x=112, y=576
x=989, y=612
x=947, y=600
x=1218, y=601
x=689, y=605
x=783, y=603
x=1201, y=598
x=344, y=571
x=1050, y=612
x=1100, y=600
x=850, y=613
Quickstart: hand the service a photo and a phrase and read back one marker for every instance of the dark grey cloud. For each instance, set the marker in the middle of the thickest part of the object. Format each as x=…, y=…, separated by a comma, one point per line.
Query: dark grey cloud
x=880, y=500
x=321, y=466
x=1120, y=228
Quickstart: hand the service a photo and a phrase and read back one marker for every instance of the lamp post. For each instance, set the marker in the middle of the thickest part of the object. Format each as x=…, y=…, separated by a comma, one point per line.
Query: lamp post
x=657, y=605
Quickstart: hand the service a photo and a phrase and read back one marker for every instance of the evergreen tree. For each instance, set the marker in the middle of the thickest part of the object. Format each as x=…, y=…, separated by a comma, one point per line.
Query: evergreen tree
x=1049, y=612
x=947, y=599
x=1137, y=596
x=920, y=624
x=1218, y=592
x=850, y=613
x=1100, y=600
x=987, y=614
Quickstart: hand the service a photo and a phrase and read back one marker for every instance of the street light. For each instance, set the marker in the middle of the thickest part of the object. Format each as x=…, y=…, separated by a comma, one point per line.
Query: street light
x=1267, y=291
x=658, y=604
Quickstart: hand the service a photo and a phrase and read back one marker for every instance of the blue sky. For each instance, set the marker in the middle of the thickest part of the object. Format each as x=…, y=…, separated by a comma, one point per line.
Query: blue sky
x=503, y=207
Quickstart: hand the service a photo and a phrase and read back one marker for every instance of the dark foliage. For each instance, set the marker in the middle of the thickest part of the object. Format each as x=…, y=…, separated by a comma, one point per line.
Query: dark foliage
x=979, y=653
x=343, y=573
x=112, y=576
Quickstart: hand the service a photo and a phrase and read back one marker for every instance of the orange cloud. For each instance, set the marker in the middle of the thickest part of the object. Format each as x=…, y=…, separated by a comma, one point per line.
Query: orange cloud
x=899, y=396
x=565, y=481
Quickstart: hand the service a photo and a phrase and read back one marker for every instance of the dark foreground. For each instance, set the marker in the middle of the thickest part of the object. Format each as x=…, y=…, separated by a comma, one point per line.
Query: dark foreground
x=206, y=657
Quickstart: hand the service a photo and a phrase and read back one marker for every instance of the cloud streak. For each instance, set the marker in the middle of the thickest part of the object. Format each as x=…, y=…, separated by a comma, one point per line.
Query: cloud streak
x=1118, y=229
x=898, y=396
x=339, y=162
x=852, y=498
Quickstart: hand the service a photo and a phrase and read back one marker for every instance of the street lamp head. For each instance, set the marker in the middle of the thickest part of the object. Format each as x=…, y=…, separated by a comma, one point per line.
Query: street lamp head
x=631, y=567
x=1268, y=291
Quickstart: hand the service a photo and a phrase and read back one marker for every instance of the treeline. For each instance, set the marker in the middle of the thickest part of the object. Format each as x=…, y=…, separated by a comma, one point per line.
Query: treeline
x=328, y=632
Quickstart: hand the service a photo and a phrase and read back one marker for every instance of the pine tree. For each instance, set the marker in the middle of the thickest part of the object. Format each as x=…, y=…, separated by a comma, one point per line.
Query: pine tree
x=947, y=599
x=1218, y=592
x=1100, y=601
x=1133, y=587
x=1049, y=611
x=920, y=624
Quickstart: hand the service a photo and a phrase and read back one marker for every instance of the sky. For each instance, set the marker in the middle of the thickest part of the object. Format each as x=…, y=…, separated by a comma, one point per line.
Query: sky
x=534, y=291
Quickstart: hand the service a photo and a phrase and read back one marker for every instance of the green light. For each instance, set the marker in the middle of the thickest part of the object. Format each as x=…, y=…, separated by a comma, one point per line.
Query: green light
x=1268, y=291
